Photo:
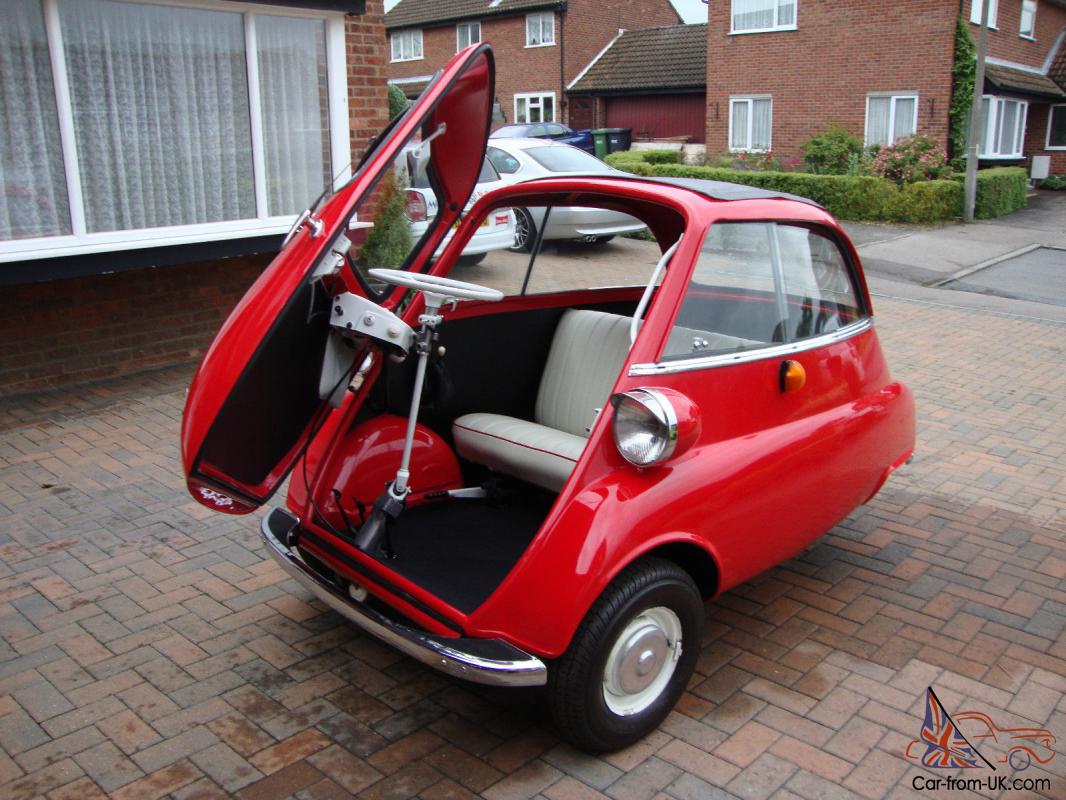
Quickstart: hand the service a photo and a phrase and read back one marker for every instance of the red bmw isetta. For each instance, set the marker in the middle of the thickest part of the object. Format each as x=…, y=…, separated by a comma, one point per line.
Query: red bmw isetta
x=538, y=478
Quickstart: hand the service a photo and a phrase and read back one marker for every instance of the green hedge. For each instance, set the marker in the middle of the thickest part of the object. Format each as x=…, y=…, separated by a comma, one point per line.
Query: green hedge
x=850, y=197
x=1000, y=190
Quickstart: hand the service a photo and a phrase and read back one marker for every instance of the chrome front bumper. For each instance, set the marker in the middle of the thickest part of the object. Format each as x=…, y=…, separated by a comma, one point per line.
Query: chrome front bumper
x=489, y=661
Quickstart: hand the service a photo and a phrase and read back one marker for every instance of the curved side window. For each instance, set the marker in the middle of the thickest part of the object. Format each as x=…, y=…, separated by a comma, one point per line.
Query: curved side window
x=759, y=284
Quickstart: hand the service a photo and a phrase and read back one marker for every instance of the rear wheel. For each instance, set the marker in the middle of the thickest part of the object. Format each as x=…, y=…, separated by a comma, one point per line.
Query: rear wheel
x=525, y=231
x=630, y=658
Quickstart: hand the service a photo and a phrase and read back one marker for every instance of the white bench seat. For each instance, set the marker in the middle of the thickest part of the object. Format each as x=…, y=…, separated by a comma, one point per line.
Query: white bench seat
x=587, y=352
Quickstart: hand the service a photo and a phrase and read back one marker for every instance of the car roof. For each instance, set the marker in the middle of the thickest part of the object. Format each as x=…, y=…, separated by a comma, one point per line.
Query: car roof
x=522, y=143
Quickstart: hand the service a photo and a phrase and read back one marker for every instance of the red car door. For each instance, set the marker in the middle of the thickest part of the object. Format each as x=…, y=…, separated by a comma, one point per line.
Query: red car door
x=263, y=389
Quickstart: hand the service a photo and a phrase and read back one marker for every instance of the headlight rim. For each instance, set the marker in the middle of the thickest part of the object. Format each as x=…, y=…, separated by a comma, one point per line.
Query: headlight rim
x=661, y=409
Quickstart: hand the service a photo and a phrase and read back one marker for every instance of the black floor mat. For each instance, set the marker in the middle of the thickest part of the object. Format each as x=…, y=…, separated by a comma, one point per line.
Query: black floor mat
x=461, y=550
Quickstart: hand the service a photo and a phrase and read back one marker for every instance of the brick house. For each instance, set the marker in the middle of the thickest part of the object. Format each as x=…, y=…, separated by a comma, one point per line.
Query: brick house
x=540, y=46
x=780, y=71
x=653, y=81
x=152, y=156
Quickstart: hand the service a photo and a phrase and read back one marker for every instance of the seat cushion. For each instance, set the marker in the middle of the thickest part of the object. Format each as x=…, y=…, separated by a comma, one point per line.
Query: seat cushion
x=532, y=452
x=587, y=352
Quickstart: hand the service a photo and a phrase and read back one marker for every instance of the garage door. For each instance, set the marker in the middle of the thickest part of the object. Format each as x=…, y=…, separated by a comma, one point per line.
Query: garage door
x=660, y=116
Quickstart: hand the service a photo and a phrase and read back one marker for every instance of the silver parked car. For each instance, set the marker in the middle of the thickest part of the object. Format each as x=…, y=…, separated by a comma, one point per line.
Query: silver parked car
x=521, y=159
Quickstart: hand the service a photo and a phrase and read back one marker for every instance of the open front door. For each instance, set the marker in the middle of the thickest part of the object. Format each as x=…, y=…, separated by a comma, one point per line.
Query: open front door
x=265, y=384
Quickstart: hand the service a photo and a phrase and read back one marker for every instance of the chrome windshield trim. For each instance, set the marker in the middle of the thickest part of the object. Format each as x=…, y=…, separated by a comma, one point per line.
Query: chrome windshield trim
x=494, y=662
x=774, y=351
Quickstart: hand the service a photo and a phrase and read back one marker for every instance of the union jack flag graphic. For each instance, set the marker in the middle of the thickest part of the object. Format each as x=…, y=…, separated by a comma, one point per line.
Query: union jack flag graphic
x=945, y=746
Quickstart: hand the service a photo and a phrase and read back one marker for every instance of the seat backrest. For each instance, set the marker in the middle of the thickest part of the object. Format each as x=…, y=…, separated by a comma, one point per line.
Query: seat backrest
x=587, y=352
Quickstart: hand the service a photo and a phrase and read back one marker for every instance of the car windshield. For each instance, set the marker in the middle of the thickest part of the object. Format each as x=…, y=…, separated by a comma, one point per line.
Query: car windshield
x=566, y=159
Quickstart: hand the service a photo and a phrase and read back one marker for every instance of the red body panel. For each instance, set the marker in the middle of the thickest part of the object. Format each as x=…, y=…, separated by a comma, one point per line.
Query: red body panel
x=757, y=476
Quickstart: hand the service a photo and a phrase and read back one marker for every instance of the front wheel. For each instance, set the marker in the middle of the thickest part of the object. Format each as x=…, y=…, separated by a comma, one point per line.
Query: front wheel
x=525, y=231
x=630, y=658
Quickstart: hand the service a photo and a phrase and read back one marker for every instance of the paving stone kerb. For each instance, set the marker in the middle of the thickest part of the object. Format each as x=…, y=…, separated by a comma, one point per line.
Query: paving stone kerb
x=148, y=647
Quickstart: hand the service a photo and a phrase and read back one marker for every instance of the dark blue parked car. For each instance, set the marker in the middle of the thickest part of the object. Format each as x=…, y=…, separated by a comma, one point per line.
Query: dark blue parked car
x=547, y=130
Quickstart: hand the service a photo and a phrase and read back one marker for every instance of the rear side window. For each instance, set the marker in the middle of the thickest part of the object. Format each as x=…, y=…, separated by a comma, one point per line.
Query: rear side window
x=759, y=284
x=488, y=172
x=504, y=162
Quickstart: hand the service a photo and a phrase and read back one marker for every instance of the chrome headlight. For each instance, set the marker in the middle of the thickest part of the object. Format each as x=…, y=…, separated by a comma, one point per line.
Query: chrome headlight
x=645, y=426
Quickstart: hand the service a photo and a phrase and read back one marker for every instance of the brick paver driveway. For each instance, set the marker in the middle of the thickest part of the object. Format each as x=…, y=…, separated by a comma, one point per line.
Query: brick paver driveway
x=149, y=647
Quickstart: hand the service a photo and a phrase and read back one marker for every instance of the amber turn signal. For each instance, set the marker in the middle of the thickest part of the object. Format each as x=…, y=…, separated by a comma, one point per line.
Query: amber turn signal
x=792, y=376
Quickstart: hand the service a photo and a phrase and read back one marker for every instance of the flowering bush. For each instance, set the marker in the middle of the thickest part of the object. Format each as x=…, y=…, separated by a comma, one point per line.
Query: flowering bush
x=757, y=161
x=916, y=158
x=830, y=152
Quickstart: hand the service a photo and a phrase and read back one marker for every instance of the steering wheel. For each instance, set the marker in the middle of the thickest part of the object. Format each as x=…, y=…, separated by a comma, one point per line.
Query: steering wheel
x=434, y=284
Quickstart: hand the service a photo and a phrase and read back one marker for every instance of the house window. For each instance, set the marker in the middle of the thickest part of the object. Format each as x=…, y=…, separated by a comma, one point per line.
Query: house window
x=752, y=16
x=466, y=34
x=406, y=45
x=1027, y=28
x=890, y=118
x=534, y=107
x=750, y=122
x=976, y=8
x=1002, y=127
x=143, y=124
x=1056, y=128
x=540, y=29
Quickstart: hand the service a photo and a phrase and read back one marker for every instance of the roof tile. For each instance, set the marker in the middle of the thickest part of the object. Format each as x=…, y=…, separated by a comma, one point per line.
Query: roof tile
x=672, y=57
x=415, y=13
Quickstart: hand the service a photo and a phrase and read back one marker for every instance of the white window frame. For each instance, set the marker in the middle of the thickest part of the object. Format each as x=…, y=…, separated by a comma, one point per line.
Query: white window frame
x=1028, y=6
x=750, y=100
x=1019, y=128
x=412, y=36
x=1050, y=118
x=80, y=241
x=895, y=97
x=733, y=30
x=541, y=18
x=976, y=8
x=469, y=27
x=538, y=96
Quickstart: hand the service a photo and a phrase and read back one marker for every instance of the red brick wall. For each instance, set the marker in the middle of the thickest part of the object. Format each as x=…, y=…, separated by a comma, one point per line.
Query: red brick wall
x=580, y=34
x=85, y=329
x=1036, y=138
x=1004, y=41
x=821, y=72
x=519, y=68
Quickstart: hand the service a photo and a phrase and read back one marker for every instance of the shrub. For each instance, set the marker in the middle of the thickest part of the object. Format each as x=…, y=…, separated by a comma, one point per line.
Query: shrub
x=389, y=242
x=916, y=158
x=830, y=152
x=851, y=197
x=1055, y=182
x=660, y=156
x=397, y=100
x=963, y=75
x=1000, y=191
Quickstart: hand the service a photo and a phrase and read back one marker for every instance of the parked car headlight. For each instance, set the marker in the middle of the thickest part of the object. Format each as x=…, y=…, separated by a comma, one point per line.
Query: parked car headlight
x=645, y=426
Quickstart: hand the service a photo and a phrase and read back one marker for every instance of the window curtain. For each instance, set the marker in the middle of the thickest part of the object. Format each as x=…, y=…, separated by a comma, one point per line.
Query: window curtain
x=879, y=110
x=904, y=123
x=753, y=14
x=761, y=124
x=34, y=197
x=295, y=103
x=161, y=114
x=739, y=138
x=786, y=12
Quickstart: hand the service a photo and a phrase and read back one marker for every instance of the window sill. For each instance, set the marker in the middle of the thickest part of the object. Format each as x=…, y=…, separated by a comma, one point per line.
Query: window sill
x=64, y=246
x=1055, y=148
x=534, y=46
x=988, y=157
x=765, y=30
x=1027, y=37
x=402, y=60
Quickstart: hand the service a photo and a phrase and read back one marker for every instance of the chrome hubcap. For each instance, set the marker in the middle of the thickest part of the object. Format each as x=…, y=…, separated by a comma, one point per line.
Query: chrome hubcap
x=642, y=661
